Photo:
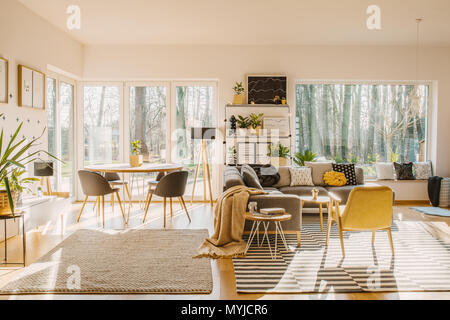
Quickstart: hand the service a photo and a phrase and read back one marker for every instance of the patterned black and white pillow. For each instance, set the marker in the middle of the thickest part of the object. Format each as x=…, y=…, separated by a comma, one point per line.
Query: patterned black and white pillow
x=404, y=171
x=301, y=176
x=348, y=169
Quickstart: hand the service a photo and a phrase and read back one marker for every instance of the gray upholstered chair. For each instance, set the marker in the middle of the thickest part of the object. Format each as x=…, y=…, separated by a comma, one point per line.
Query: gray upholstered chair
x=172, y=185
x=95, y=185
x=115, y=180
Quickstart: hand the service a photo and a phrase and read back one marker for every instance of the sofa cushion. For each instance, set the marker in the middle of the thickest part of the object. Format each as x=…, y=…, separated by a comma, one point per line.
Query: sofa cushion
x=267, y=174
x=303, y=190
x=317, y=171
x=359, y=175
x=301, y=176
x=285, y=177
x=334, y=178
x=404, y=171
x=232, y=177
x=422, y=170
x=250, y=177
x=385, y=170
x=348, y=169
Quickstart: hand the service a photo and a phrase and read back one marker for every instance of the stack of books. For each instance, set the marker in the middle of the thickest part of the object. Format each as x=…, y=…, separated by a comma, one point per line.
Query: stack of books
x=272, y=211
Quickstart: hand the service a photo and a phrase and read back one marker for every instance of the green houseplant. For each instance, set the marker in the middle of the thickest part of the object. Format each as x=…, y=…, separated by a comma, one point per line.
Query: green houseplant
x=255, y=121
x=14, y=156
x=243, y=124
x=136, y=159
x=308, y=156
x=278, y=154
x=238, y=93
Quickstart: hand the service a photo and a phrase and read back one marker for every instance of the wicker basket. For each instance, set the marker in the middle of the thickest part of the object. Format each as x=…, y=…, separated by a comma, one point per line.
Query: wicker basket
x=5, y=209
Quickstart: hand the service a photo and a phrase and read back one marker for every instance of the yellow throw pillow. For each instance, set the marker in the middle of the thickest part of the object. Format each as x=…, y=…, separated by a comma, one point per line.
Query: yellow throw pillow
x=335, y=179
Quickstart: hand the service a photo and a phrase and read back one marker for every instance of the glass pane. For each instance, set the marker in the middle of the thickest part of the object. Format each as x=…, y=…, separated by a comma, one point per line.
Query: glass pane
x=194, y=108
x=66, y=124
x=362, y=123
x=148, y=121
x=51, y=115
x=101, y=131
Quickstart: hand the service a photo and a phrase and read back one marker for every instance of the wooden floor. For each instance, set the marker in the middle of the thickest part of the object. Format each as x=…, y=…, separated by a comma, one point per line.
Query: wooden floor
x=45, y=238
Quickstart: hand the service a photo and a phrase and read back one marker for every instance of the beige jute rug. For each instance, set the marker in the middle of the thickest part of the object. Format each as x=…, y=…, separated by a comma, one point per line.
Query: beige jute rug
x=119, y=262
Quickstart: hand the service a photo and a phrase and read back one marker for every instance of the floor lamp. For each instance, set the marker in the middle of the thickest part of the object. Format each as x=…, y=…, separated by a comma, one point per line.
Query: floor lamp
x=203, y=134
x=44, y=170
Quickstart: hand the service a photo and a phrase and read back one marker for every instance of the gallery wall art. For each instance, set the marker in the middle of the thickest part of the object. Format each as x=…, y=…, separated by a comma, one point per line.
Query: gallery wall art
x=266, y=89
x=31, y=88
x=4, y=80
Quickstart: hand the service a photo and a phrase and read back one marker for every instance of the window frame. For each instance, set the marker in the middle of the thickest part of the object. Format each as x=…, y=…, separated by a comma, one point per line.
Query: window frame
x=429, y=113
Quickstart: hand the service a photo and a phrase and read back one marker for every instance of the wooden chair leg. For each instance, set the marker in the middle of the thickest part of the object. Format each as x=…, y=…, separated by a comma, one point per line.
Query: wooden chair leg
x=329, y=225
x=82, y=208
x=373, y=237
x=121, y=207
x=147, y=204
x=165, y=203
x=390, y=239
x=299, y=238
x=128, y=192
x=99, y=205
x=103, y=211
x=341, y=237
x=112, y=202
x=185, y=208
x=321, y=216
x=95, y=204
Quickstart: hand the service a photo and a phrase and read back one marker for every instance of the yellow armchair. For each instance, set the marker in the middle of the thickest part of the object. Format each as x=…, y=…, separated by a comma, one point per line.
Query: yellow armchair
x=367, y=209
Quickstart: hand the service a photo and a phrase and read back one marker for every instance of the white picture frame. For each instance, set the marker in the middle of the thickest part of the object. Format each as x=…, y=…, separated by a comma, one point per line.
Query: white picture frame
x=277, y=126
x=4, y=66
x=38, y=90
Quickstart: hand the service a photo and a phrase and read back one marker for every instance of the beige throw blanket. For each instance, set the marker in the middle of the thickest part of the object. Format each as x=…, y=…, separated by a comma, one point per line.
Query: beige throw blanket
x=229, y=221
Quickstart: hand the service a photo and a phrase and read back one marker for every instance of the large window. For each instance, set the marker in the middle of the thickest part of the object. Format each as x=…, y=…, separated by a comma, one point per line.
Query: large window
x=101, y=124
x=362, y=123
x=66, y=150
x=148, y=105
x=194, y=106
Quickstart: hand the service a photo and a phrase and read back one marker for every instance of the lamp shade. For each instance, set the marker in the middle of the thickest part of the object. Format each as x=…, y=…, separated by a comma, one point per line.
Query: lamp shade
x=43, y=168
x=203, y=133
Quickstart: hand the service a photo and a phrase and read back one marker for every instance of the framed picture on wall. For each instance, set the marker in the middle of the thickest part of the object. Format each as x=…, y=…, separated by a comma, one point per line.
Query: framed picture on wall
x=3, y=80
x=264, y=89
x=38, y=90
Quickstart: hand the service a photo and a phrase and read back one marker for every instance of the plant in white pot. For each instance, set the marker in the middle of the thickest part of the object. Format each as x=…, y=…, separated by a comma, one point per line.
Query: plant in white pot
x=136, y=159
x=13, y=159
x=278, y=154
x=238, y=93
x=243, y=125
x=255, y=121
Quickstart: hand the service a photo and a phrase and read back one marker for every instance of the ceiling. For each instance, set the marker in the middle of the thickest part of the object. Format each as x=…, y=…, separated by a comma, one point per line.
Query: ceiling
x=258, y=22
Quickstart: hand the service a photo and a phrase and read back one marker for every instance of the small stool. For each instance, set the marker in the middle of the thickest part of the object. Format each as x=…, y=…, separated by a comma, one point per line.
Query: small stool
x=5, y=218
x=265, y=220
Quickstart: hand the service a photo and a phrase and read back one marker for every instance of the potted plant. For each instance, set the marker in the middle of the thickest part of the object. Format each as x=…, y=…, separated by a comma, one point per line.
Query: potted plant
x=16, y=154
x=278, y=154
x=308, y=156
x=18, y=183
x=238, y=93
x=136, y=159
x=255, y=122
x=243, y=125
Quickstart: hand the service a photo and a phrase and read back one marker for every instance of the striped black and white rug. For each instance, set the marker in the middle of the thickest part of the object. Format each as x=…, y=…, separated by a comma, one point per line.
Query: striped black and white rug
x=421, y=263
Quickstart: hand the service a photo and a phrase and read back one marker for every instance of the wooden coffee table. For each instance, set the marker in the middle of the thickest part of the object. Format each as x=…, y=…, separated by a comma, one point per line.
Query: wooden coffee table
x=321, y=200
x=257, y=219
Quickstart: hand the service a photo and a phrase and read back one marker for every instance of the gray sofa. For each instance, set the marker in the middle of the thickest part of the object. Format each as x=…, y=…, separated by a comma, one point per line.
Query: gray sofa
x=282, y=195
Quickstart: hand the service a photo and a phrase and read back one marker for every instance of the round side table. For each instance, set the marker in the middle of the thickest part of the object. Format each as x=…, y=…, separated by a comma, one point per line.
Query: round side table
x=320, y=201
x=5, y=218
x=257, y=219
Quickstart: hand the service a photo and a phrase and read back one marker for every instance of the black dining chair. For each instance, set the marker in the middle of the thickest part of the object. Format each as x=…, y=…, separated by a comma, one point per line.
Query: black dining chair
x=172, y=185
x=95, y=185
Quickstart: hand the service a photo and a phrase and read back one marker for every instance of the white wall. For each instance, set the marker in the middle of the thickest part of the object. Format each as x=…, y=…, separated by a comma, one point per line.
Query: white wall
x=228, y=64
x=27, y=39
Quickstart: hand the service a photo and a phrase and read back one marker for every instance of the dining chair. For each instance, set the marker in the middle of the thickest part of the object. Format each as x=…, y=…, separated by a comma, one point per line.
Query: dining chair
x=115, y=180
x=95, y=185
x=367, y=209
x=171, y=185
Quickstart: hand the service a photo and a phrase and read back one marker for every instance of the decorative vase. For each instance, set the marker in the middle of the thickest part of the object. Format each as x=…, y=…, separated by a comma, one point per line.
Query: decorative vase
x=242, y=132
x=5, y=209
x=237, y=99
x=315, y=193
x=136, y=160
x=278, y=161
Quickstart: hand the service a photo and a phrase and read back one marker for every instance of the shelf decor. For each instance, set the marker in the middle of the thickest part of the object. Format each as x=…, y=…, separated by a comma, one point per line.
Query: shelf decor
x=3, y=80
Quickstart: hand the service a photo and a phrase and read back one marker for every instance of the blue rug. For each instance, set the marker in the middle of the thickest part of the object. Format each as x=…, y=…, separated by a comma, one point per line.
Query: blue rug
x=434, y=211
